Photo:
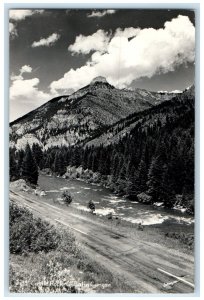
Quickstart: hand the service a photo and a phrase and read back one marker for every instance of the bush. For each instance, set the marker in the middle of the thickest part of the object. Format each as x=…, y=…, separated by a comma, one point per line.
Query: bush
x=67, y=197
x=91, y=205
x=55, y=271
x=29, y=234
x=110, y=216
x=186, y=238
x=144, y=198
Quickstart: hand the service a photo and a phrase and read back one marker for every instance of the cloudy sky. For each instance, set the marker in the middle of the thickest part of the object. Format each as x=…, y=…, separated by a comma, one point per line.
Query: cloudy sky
x=55, y=52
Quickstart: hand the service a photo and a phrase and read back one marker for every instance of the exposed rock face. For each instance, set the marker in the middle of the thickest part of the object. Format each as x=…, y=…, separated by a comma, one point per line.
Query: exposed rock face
x=99, y=79
x=81, y=116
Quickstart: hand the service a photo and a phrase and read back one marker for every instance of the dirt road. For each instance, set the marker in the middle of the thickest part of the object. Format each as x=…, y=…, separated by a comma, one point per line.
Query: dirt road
x=145, y=266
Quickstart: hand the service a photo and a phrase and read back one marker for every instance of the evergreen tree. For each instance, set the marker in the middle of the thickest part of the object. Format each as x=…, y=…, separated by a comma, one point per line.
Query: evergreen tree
x=131, y=187
x=20, y=156
x=122, y=179
x=29, y=167
x=103, y=167
x=13, y=172
x=189, y=171
x=59, y=166
x=142, y=175
x=37, y=153
x=119, y=166
x=114, y=167
x=177, y=170
x=167, y=193
x=94, y=166
x=76, y=157
x=68, y=156
x=48, y=161
x=155, y=178
x=89, y=160
x=85, y=158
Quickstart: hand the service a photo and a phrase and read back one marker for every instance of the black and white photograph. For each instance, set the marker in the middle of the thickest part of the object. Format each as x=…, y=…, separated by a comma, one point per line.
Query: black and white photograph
x=102, y=150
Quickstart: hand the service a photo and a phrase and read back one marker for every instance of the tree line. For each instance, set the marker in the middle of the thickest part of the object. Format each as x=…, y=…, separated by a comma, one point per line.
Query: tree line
x=155, y=159
x=25, y=163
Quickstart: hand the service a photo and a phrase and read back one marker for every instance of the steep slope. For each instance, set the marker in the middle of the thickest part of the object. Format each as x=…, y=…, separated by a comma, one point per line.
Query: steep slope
x=148, y=156
x=147, y=118
x=68, y=120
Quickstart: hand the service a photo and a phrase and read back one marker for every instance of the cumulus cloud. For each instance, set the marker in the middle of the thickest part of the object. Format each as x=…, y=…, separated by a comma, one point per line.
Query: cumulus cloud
x=16, y=15
x=25, y=94
x=127, y=32
x=26, y=89
x=84, y=44
x=85, y=75
x=47, y=42
x=21, y=14
x=132, y=53
x=12, y=30
x=23, y=69
x=99, y=14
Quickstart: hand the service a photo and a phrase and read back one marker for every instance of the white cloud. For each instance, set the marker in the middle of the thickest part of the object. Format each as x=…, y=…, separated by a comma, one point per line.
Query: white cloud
x=26, y=69
x=133, y=53
x=176, y=92
x=21, y=14
x=25, y=94
x=84, y=44
x=15, y=77
x=23, y=69
x=12, y=30
x=85, y=75
x=171, y=92
x=127, y=32
x=16, y=15
x=49, y=41
x=22, y=88
x=99, y=14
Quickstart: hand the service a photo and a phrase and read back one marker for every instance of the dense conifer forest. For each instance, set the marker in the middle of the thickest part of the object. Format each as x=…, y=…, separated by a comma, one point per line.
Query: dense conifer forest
x=152, y=162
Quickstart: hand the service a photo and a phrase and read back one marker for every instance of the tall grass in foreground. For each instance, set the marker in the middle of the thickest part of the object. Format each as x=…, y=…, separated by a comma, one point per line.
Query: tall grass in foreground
x=47, y=259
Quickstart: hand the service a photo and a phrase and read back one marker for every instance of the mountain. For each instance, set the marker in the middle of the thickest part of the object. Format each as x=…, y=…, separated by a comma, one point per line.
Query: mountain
x=147, y=118
x=119, y=138
x=81, y=116
x=147, y=156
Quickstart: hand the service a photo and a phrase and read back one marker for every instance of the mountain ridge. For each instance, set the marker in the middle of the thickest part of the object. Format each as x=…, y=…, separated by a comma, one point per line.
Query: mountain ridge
x=124, y=126
x=69, y=119
x=147, y=156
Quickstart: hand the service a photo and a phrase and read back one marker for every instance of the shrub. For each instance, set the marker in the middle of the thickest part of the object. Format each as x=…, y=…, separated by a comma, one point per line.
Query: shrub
x=67, y=197
x=110, y=216
x=55, y=271
x=30, y=234
x=91, y=205
x=144, y=198
x=186, y=238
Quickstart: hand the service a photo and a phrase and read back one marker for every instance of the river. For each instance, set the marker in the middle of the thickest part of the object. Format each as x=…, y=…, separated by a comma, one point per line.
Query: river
x=106, y=202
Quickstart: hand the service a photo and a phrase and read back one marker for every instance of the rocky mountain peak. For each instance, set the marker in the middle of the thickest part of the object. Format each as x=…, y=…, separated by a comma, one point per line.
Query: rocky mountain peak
x=68, y=120
x=99, y=79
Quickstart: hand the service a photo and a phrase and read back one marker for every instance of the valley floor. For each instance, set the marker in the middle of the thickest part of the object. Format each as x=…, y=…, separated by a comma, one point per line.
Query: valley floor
x=138, y=259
